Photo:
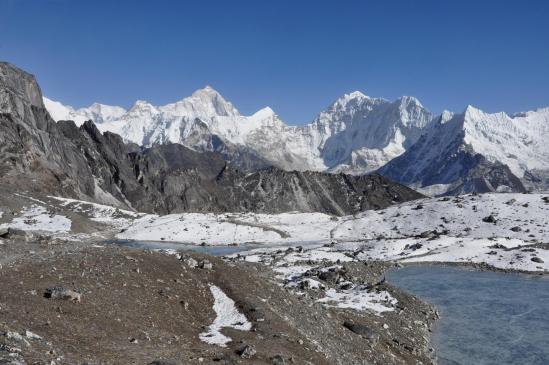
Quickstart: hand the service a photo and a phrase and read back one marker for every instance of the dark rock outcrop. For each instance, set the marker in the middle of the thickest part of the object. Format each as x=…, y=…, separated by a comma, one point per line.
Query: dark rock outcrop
x=39, y=154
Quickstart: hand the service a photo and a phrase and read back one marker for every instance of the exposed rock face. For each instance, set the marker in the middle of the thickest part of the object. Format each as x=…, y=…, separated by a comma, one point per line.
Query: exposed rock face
x=34, y=153
x=63, y=159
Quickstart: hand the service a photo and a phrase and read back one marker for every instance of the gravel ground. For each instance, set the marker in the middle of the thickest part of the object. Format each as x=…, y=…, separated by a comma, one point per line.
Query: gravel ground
x=138, y=306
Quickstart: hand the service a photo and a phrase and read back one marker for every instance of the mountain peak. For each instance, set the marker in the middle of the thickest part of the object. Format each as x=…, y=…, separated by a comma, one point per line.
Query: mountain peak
x=472, y=110
x=356, y=95
x=445, y=116
x=206, y=91
x=352, y=98
x=473, y=114
x=205, y=102
x=142, y=106
x=265, y=112
x=410, y=100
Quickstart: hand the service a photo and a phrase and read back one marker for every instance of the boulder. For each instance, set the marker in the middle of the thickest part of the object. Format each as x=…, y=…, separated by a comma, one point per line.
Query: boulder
x=190, y=262
x=16, y=233
x=206, y=265
x=62, y=294
x=489, y=219
x=247, y=352
x=329, y=276
x=362, y=330
x=278, y=360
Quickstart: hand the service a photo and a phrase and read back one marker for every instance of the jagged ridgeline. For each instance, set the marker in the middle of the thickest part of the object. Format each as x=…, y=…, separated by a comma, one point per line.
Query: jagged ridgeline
x=41, y=155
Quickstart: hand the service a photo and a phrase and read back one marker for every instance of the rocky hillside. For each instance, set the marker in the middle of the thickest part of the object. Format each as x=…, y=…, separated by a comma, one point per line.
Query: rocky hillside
x=61, y=158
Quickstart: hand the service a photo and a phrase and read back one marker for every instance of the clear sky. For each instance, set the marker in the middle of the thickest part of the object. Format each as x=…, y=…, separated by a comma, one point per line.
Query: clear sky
x=295, y=56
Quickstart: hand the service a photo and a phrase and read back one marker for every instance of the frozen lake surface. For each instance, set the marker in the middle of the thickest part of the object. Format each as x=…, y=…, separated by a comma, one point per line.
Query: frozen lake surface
x=209, y=250
x=486, y=317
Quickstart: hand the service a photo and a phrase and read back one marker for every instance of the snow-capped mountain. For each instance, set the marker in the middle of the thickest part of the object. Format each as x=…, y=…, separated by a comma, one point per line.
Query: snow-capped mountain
x=355, y=134
x=450, y=153
x=477, y=151
x=99, y=113
x=358, y=134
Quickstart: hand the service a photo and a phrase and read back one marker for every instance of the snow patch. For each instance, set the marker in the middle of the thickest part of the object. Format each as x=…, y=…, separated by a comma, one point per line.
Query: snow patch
x=37, y=218
x=360, y=298
x=227, y=316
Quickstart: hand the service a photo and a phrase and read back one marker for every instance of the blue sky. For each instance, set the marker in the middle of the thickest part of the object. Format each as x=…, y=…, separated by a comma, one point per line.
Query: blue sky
x=295, y=56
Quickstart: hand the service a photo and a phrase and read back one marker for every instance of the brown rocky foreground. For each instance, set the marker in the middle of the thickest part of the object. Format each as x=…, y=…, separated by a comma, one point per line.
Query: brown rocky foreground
x=137, y=306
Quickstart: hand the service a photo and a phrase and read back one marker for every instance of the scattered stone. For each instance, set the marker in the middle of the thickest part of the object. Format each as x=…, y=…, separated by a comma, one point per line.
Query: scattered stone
x=329, y=276
x=160, y=362
x=278, y=360
x=362, y=330
x=205, y=264
x=190, y=262
x=498, y=246
x=426, y=234
x=307, y=284
x=490, y=219
x=9, y=349
x=346, y=285
x=62, y=294
x=516, y=229
x=16, y=233
x=4, y=232
x=247, y=352
x=413, y=247
x=32, y=335
x=14, y=336
x=537, y=259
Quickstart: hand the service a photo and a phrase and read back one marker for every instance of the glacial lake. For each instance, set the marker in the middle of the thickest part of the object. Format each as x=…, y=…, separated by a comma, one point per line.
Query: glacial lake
x=214, y=250
x=209, y=250
x=486, y=317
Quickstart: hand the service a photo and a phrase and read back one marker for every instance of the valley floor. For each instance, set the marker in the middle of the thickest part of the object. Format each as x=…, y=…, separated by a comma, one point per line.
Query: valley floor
x=304, y=289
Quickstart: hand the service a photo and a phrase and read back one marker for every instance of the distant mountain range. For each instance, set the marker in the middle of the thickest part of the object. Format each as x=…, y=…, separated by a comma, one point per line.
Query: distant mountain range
x=357, y=134
x=60, y=158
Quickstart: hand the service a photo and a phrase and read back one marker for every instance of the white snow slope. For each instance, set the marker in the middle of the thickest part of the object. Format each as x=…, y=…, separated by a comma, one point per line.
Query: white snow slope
x=37, y=218
x=489, y=228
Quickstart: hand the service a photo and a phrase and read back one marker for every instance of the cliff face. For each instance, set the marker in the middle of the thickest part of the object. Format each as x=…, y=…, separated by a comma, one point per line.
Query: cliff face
x=38, y=154
x=35, y=155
